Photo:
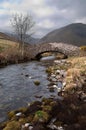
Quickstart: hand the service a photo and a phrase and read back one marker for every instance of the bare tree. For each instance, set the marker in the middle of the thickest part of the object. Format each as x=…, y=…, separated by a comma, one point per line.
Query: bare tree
x=22, y=24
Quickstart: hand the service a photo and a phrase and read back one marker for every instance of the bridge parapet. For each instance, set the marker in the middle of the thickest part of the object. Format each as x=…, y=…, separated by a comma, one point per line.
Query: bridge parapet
x=67, y=49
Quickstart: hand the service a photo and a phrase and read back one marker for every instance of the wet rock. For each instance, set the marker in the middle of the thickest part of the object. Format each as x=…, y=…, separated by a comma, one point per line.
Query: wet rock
x=59, y=89
x=53, y=75
x=54, y=86
x=54, y=79
x=18, y=114
x=27, y=75
x=64, y=84
x=52, y=126
x=37, y=82
x=58, y=72
x=27, y=126
x=30, y=127
x=58, y=77
x=59, y=84
x=38, y=96
x=30, y=77
x=63, y=73
x=51, y=89
x=57, y=61
x=60, y=128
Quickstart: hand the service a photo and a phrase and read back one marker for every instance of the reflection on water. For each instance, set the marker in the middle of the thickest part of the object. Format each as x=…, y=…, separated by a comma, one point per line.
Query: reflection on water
x=48, y=58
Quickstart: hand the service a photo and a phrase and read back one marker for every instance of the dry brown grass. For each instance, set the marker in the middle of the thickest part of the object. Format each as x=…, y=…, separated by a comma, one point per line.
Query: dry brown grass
x=78, y=62
x=76, y=74
x=10, y=53
x=82, y=51
x=5, y=44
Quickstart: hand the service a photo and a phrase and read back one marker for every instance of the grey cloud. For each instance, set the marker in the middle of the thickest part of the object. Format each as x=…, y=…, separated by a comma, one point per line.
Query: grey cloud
x=60, y=4
x=5, y=17
x=64, y=12
x=74, y=10
x=78, y=6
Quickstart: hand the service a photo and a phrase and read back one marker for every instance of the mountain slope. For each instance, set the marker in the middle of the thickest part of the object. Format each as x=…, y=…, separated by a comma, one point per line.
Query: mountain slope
x=28, y=39
x=7, y=37
x=72, y=34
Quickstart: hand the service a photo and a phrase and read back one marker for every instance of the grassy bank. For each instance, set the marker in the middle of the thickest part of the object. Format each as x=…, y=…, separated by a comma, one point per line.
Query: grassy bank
x=76, y=74
x=10, y=53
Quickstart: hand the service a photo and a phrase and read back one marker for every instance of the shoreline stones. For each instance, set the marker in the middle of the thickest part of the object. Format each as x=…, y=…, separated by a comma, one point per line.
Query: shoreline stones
x=52, y=113
x=49, y=114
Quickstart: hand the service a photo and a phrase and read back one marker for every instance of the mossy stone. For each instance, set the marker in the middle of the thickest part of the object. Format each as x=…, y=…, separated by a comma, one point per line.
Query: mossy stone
x=49, y=70
x=13, y=125
x=47, y=108
x=41, y=116
x=46, y=101
x=23, y=109
x=23, y=120
x=11, y=114
x=37, y=82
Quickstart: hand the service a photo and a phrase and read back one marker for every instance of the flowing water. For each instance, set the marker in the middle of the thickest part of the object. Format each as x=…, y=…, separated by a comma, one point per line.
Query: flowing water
x=17, y=86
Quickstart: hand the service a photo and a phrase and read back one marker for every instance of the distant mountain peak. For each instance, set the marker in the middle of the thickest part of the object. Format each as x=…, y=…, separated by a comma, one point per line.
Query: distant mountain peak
x=74, y=33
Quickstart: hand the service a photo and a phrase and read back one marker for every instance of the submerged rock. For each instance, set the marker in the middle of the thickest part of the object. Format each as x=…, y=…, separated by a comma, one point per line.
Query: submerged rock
x=37, y=82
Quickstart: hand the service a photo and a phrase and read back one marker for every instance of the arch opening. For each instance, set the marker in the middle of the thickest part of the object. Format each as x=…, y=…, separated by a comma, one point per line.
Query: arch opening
x=57, y=54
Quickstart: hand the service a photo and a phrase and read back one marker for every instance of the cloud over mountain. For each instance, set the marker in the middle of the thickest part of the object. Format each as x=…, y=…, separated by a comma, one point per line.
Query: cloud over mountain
x=48, y=14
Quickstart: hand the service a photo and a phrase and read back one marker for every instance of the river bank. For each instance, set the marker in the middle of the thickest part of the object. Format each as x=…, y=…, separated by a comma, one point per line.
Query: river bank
x=64, y=111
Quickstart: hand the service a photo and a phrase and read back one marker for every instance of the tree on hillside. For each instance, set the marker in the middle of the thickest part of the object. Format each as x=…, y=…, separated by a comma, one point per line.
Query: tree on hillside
x=22, y=24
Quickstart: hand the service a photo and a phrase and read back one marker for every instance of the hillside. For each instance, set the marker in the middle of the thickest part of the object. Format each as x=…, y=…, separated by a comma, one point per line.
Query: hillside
x=28, y=39
x=72, y=34
x=6, y=42
x=7, y=37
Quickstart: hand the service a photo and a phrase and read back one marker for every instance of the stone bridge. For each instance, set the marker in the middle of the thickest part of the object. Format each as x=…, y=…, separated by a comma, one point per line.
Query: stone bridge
x=66, y=49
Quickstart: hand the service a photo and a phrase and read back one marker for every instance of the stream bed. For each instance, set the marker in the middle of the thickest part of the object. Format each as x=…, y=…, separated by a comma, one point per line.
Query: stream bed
x=17, y=88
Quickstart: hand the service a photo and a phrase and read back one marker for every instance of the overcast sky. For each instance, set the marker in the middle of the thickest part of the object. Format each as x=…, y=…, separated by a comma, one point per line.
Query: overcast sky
x=48, y=14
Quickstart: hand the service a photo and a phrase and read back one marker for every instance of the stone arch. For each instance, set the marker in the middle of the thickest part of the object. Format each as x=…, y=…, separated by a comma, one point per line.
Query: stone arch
x=66, y=49
x=39, y=55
